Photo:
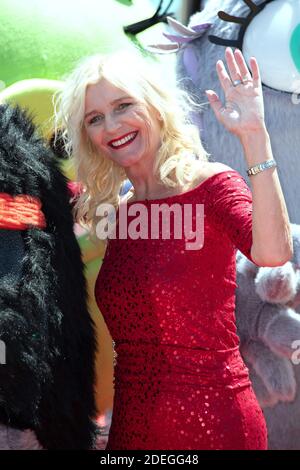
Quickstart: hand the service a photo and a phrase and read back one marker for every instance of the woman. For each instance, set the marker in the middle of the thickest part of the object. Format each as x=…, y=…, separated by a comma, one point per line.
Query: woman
x=180, y=382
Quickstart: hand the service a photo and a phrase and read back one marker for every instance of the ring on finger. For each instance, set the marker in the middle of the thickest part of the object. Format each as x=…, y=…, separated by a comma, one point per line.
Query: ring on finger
x=237, y=82
x=246, y=79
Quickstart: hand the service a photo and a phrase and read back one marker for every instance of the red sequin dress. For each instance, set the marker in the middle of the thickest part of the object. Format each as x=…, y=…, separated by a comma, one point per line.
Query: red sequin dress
x=180, y=382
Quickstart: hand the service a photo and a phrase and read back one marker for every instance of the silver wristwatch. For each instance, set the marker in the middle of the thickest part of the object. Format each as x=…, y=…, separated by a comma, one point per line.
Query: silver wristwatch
x=261, y=167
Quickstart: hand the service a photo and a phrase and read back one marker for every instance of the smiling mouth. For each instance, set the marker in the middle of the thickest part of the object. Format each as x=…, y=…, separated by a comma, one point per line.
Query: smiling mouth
x=126, y=140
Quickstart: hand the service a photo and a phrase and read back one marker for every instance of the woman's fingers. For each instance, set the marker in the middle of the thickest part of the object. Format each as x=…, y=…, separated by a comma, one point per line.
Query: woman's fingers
x=234, y=70
x=223, y=76
x=214, y=101
x=255, y=70
x=237, y=69
x=245, y=73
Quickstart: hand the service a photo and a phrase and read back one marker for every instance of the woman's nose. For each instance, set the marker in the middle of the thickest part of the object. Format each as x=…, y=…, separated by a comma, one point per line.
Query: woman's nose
x=111, y=123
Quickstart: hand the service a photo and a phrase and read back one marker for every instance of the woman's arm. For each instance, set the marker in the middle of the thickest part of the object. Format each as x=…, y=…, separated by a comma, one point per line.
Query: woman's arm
x=272, y=240
x=243, y=115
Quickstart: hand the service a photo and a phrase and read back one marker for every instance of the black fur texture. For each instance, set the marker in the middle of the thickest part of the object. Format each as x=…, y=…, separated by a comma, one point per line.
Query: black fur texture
x=47, y=383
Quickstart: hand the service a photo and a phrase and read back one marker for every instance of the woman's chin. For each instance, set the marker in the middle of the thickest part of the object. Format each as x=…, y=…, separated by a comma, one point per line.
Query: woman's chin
x=127, y=162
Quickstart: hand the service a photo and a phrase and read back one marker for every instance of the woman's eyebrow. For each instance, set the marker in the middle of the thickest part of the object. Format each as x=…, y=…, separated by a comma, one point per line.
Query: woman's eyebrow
x=113, y=102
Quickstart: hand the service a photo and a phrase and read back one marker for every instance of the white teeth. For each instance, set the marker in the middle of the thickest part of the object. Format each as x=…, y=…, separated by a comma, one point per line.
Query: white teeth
x=117, y=143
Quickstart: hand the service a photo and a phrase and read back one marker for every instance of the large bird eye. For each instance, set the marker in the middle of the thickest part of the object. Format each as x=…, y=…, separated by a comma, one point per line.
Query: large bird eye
x=271, y=33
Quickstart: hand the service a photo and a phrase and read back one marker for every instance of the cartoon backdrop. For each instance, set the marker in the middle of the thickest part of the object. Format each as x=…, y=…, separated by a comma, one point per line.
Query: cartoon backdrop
x=41, y=40
x=269, y=30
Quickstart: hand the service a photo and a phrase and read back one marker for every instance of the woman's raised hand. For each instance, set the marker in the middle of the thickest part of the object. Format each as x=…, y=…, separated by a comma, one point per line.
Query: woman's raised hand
x=243, y=111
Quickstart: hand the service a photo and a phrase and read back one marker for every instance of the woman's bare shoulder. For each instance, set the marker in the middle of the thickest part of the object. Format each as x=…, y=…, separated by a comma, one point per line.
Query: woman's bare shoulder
x=209, y=169
x=212, y=168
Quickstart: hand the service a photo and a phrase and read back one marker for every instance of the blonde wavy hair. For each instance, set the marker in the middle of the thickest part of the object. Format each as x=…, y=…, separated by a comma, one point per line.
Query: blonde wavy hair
x=181, y=150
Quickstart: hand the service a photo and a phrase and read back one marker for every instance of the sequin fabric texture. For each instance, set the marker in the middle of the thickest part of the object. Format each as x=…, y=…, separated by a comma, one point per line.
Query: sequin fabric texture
x=180, y=382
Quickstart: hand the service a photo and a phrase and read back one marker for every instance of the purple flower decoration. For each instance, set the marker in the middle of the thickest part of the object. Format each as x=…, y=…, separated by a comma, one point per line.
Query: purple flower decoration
x=183, y=36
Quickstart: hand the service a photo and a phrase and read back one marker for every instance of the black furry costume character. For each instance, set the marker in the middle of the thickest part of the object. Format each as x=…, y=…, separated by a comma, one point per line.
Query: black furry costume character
x=47, y=383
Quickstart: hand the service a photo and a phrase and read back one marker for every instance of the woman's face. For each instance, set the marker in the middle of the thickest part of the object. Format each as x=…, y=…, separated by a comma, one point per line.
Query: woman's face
x=119, y=126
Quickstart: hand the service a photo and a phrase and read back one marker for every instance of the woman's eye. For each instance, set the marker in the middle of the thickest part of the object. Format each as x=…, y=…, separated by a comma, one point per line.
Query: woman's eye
x=96, y=119
x=123, y=106
x=269, y=31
